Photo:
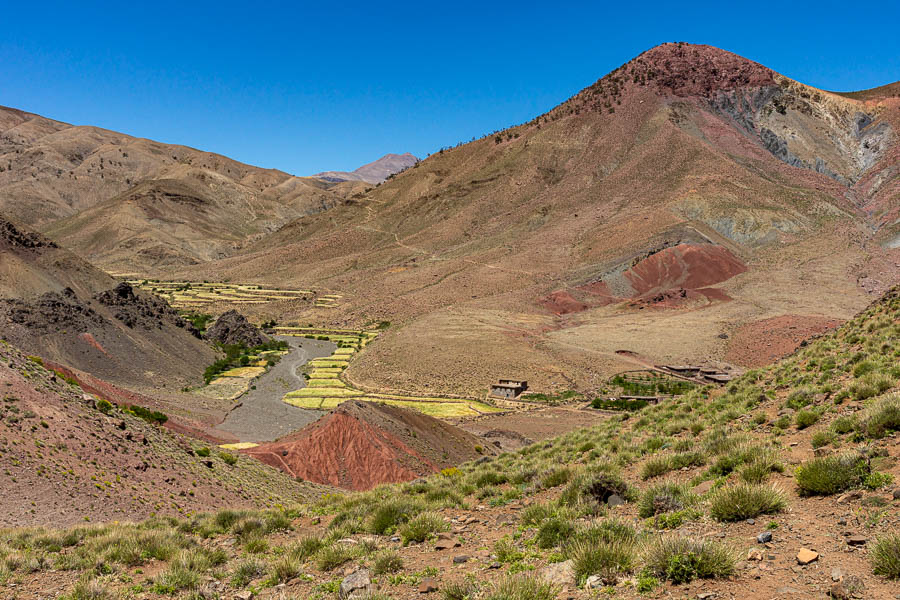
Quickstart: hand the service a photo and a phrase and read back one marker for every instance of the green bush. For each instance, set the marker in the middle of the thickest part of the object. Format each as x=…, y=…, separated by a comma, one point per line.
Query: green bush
x=506, y=552
x=391, y=514
x=745, y=501
x=831, y=474
x=104, y=406
x=203, y=452
x=421, y=527
x=885, y=556
x=335, y=555
x=663, y=498
x=522, y=587
x=387, y=561
x=876, y=480
x=228, y=458
x=680, y=560
x=553, y=531
x=805, y=418
x=608, y=560
x=882, y=417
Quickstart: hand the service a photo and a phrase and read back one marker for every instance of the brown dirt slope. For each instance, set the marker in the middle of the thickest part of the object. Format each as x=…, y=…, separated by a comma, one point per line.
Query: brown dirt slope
x=360, y=445
x=66, y=461
x=684, y=144
x=128, y=203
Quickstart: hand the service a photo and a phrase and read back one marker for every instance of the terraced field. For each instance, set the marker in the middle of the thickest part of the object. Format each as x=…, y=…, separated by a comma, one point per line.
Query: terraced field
x=325, y=390
x=194, y=295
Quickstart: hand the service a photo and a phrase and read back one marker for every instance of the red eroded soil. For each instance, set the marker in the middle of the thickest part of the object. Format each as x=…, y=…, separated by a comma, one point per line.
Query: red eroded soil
x=763, y=342
x=561, y=303
x=360, y=445
x=688, y=266
x=674, y=277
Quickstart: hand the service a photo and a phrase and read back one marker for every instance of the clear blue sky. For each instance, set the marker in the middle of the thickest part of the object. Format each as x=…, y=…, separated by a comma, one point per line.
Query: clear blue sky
x=310, y=86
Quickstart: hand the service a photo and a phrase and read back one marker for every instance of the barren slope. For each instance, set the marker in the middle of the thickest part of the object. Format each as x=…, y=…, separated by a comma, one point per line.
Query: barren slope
x=130, y=204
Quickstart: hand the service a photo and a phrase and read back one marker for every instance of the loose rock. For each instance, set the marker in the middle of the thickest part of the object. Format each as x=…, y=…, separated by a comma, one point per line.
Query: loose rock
x=806, y=556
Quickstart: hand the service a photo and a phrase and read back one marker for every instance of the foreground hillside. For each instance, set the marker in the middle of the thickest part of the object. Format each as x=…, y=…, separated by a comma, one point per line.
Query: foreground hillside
x=671, y=212
x=129, y=204
x=69, y=457
x=781, y=485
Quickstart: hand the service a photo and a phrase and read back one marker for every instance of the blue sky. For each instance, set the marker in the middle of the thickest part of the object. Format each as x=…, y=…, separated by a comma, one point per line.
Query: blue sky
x=306, y=87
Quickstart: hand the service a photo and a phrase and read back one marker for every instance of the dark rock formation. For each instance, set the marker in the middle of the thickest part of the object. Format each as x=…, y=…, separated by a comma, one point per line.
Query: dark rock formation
x=234, y=328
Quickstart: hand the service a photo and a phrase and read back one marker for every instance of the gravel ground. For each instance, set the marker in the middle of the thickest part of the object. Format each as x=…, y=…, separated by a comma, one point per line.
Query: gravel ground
x=262, y=416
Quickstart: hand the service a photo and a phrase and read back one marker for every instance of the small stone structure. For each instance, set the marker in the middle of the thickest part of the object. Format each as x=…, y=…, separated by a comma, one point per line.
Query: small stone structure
x=508, y=388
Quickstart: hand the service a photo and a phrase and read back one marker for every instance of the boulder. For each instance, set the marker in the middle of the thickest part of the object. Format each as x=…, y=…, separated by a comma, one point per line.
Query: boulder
x=234, y=328
x=356, y=586
x=806, y=556
x=561, y=573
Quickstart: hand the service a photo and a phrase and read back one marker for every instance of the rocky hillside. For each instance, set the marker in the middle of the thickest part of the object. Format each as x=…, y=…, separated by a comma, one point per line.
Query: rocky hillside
x=55, y=305
x=688, y=179
x=130, y=204
x=70, y=457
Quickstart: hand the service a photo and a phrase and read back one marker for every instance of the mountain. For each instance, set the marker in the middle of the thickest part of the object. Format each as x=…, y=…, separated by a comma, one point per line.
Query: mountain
x=57, y=306
x=374, y=172
x=684, y=201
x=131, y=204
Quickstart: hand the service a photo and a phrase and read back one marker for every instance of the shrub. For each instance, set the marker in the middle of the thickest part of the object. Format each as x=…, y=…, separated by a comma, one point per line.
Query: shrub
x=823, y=438
x=246, y=571
x=534, y=514
x=391, y=514
x=882, y=417
x=104, y=406
x=805, y=418
x=285, y=568
x=387, y=561
x=885, y=556
x=593, y=488
x=745, y=501
x=522, y=587
x=556, y=477
x=876, y=480
x=605, y=559
x=459, y=590
x=228, y=458
x=664, y=497
x=88, y=589
x=506, y=551
x=151, y=416
x=307, y=547
x=333, y=556
x=831, y=474
x=759, y=469
x=681, y=560
x=843, y=425
x=553, y=530
x=656, y=466
x=421, y=528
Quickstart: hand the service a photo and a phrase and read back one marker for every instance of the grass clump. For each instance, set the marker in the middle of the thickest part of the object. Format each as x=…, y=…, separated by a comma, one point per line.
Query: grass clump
x=88, y=589
x=680, y=560
x=391, y=514
x=663, y=498
x=459, y=590
x=745, y=501
x=885, y=556
x=805, y=418
x=882, y=417
x=246, y=571
x=421, y=528
x=522, y=587
x=387, y=561
x=831, y=474
x=608, y=560
x=553, y=531
x=335, y=555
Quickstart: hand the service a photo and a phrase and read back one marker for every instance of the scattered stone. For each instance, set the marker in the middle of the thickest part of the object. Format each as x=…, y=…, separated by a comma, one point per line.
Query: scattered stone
x=751, y=521
x=857, y=540
x=593, y=582
x=495, y=565
x=897, y=494
x=754, y=554
x=842, y=521
x=706, y=595
x=428, y=585
x=458, y=560
x=245, y=595
x=395, y=538
x=849, y=496
x=561, y=573
x=703, y=487
x=357, y=585
x=805, y=556
x=764, y=537
x=848, y=587
x=615, y=500
x=836, y=574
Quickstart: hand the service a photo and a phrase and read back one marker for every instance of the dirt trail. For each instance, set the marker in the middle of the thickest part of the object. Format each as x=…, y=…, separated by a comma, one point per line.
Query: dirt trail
x=262, y=415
